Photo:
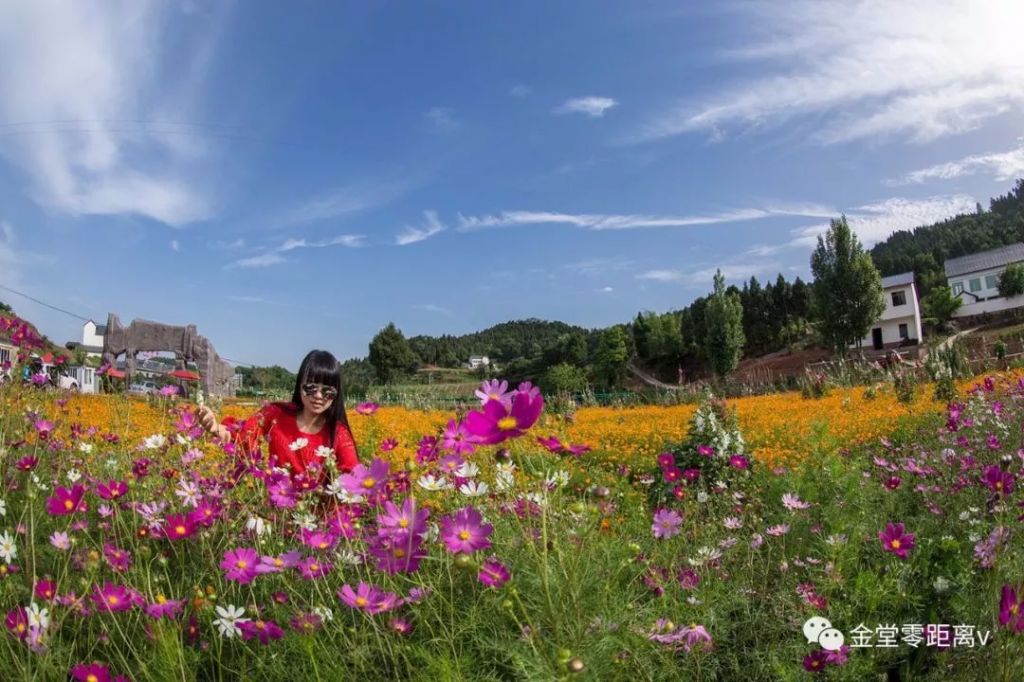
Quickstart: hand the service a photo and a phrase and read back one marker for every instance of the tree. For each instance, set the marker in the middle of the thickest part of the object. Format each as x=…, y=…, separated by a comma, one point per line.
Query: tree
x=724, y=323
x=847, y=289
x=1011, y=282
x=940, y=304
x=565, y=377
x=611, y=356
x=391, y=355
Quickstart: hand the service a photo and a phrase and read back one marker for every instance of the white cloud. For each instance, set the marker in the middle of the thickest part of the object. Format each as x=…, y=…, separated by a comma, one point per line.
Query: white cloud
x=856, y=69
x=236, y=244
x=593, y=267
x=875, y=222
x=246, y=299
x=411, y=235
x=1003, y=166
x=442, y=119
x=346, y=200
x=433, y=308
x=175, y=246
x=605, y=290
x=737, y=272
x=632, y=221
x=519, y=90
x=594, y=107
x=349, y=240
x=262, y=261
x=83, y=120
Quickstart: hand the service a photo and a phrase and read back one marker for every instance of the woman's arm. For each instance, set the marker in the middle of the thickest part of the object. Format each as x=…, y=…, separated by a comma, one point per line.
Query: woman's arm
x=345, y=451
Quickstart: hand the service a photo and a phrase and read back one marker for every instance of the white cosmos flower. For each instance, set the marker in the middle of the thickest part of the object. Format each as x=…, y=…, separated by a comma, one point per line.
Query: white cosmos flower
x=3, y=508
x=323, y=452
x=298, y=444
x=467, y=470
x=431, y=482
x=257, y=525
x=8, y=550
x=702, y=497
x=325, y=613
x=85, y=447
x=504, y=480
x=347, y=556
x=230, y=617
x=73, y=475
x=559, y=479
x=154, y=442
x=38, y=617
x=474, y=489
x=304, y=520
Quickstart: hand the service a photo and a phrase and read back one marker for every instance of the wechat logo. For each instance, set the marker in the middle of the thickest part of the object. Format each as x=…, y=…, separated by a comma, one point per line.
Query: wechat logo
x=819, y=630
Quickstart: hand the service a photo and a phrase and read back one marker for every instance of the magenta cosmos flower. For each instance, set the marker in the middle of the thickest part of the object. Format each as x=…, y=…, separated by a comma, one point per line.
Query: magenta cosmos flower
x=90, y=672
x=494, y=389
x=464, y=531
x=112, y=598
x=368, y=598
x=241, y=564
x=695, y=636
x=65, y=501
x=497, y=423
x=366, y=409
x=179, y=527
x=112, y=490
x=998, y=481
x=366, y=480
x=493, y=573
x=164, y=607
x=1011, y=610
x=407, y=519
x=457, y=439
x=666, y=524
x=264, y=630
x=895, y=540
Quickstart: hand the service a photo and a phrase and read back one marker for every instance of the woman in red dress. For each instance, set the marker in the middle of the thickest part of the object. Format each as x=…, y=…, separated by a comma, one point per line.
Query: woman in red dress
x=308, y=429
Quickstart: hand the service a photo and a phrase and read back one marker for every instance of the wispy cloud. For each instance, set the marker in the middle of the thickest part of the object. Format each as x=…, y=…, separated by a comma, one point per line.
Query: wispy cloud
x=519, y=90
x=1002, y=166
x=262, y=261
x=346, y=200
x=875, y=222
x=175, y=246
x=737, y=272
x=82, y=120
x=605, y=290
x=592, y=221
x=594, y=107
x=851, y=70
x=430, y=227
x=433, y=308
x=596, y=267
x=353, y=241
x=236, y=244
x=248, y=299
x=441, y=119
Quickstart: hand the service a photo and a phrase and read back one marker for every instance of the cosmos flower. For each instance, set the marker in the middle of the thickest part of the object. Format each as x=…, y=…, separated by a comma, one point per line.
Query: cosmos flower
x=666, y=524
x=895, y=540
x=464, y=531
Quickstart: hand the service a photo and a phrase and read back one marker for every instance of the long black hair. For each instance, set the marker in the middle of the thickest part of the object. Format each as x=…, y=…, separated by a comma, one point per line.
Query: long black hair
x=320, y=367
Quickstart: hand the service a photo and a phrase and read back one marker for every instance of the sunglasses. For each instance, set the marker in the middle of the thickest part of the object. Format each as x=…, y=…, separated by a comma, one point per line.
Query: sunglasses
x=310, y=390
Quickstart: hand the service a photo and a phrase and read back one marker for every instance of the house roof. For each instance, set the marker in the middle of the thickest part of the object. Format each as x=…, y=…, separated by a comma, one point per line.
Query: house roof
x=902, y=279
x=985, y=260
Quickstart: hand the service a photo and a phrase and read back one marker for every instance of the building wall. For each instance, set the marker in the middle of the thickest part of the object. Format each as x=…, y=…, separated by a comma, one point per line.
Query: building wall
x=909, y=314
x=89, y=335
x=988, y=298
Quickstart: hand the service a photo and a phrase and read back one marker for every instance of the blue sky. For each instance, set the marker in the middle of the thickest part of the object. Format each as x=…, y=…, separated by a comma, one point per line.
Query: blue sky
x=289, y=179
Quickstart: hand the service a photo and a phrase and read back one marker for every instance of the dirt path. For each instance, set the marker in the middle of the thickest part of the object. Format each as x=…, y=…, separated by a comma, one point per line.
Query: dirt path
x=649, y=380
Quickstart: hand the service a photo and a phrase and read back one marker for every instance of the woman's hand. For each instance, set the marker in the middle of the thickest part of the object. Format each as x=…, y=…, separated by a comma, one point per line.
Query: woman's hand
x=208, y=420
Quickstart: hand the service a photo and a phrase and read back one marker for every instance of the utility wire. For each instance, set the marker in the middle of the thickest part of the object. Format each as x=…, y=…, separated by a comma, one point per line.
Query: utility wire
x=88, y=319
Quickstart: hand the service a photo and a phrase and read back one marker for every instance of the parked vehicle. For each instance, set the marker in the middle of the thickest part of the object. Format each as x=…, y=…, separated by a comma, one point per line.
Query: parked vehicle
x=143, y=388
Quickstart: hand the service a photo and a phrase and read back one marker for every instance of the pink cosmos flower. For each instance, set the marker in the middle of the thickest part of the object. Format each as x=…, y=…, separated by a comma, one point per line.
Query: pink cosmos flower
x=120, y=560
x=112, y=490
x=450, y=463
x=1011, y=610
x=778, y=530
x=464, y=531
x=666, y=524
x=65, y=501
x=792, y=502
x=263, y=630
x=90, y=672
x=312, y=568
x=497, y=422
x=112, y=598
x=46, y=590
x=276, y=564
x=397, y=551
x=400, y=625
x=306, y=623
x=388, y=445
x=27, y=463
x=696, y=636
x=16, y=622
x=43, y=426
x=671, y=474
x=318, y=539
x=240, y=564
x=998, y=481
x=739, y=462
x=494, y=389
x=895, y=540
x=164, y=608
x=366, y=409
x=368, y=598
x=666, y=459
x=205, y=514
x=178, y=527
x=493, y=573
x=366, y=480
x=457, y=439
x=61, y=541
x=705, y=451
x=407, y=519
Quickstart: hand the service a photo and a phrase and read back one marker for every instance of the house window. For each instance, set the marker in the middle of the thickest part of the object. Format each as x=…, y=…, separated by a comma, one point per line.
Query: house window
x=958, y=288
x=899, y=298
x=992, y=282
x=975, y=284
x=904, y=332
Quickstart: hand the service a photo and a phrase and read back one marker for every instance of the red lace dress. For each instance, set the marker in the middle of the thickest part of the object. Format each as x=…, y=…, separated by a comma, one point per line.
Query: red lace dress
x=289, y=447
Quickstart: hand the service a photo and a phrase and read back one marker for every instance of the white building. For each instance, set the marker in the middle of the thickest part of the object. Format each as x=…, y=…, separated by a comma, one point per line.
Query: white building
x=92, y=339
x=8, y=353
x=900, y=322
x=478, y=361
x=975, y=280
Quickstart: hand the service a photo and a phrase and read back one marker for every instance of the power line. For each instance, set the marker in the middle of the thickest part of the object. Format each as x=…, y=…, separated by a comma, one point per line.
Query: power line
x=88, y=319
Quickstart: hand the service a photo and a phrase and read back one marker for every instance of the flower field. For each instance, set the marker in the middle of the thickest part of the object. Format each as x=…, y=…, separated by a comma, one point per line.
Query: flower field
x=848, y=537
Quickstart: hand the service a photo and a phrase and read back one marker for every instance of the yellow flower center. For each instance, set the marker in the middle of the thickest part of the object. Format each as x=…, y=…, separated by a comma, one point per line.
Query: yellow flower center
x=112, y=600
x=369, y=482
x=361, y=601
x=241, y=563
x=69, y=505
x=160, y=599
x=895, y=544
x=324, y=545
x=20, y=628
x=180, y=530
x=91, y=678
x=399, y=553
x=403, y=523
x=507, y=423
x=464, y=534
x=260, y=625
x=999, y=485
x=278, y=563
x=314, y=567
